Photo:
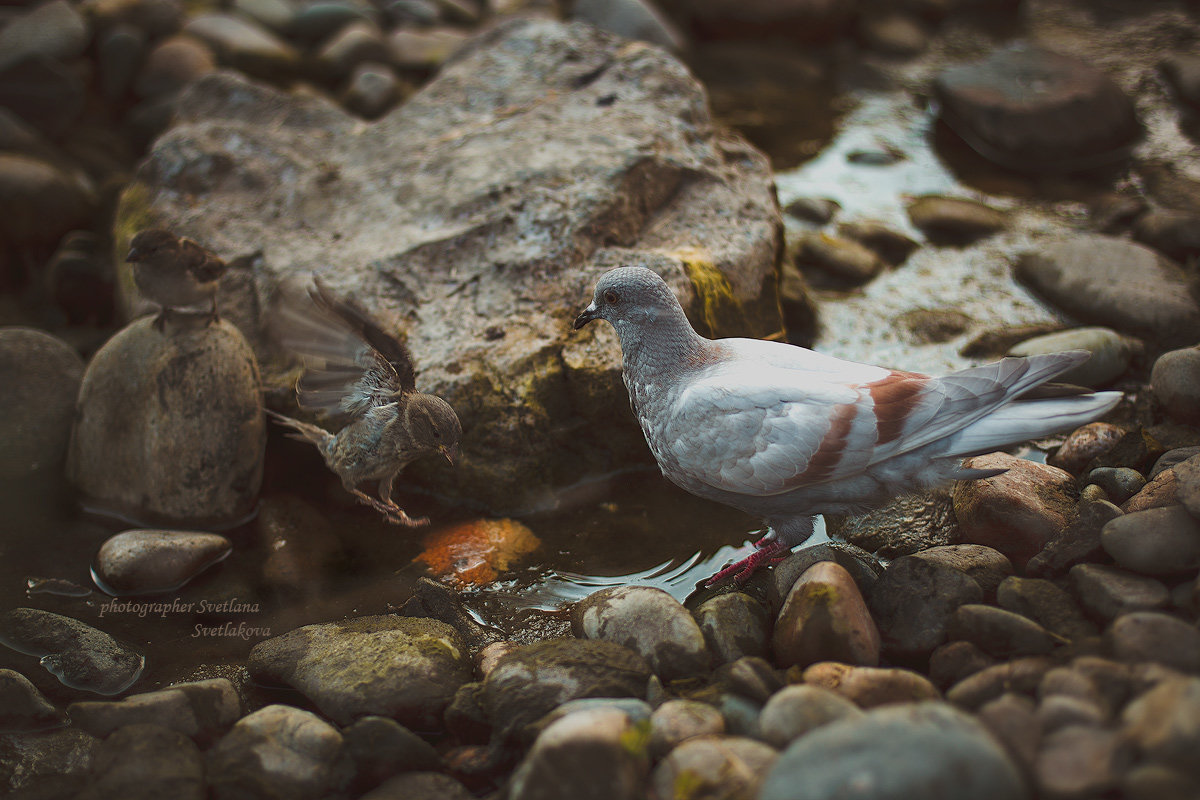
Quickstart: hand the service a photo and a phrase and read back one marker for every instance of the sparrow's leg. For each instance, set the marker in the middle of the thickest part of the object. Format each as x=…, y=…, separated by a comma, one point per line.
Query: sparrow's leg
x=385, y=494
x=213, y=316
x=160, y=322
x=774, y=546
x=390, y=511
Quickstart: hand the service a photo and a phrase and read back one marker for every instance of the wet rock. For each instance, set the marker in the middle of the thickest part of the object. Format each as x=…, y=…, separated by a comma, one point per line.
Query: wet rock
x=1021, y=675
x=825, y=619
x=245, y=46
x=1084, y=444
x=1137, y=449
x=1154, y=636
x=1171, y=232
x=633, y=19
x=734, y=625
x=1108, y=591
x=813, y=209
x=480, y=201
x=40, y=201
x=1187, y=478
x=41, y=375
x=1079, y=542
x=437, y=601
x=172, y=64
x=934, y=325
x=1175, y=382
x=424, y=49
x=902, y=527
x=864, y=567
x=372, y=90
x=1079, y=761
x=1115, y=283
x=201, y=710
x=476, y=552
x=955, y=220
x=1159, y=541
x=420, y=786
x=1001, y=633
x=1047, y=604
x=24, y=707
x=917, y=750
x=1161, y=724
x=381, y=747
x=839, y=261
x=1119, y=483
x=79, y=655
x=987, y=566
x=889, y=244
x=1110, y=353
x=1018, y=511
x=868, y=687
x=399, y=667
x=277, y=752
x=714, y=766
x=146, y=761
x=750, y=677
x=589, y=754
x=676, y=721
x=170, y=425
x=913, y=601
x=648, y=621
x=1012, y=720
x=793, y=711
x=54, y=30
x=532, y=680
x=955, y=661
x=150, y=562
x=1076, y=118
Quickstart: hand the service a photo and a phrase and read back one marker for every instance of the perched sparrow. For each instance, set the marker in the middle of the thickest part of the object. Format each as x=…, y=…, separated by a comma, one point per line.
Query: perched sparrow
x=173, y=271
x=367, y=374
x=785, y=433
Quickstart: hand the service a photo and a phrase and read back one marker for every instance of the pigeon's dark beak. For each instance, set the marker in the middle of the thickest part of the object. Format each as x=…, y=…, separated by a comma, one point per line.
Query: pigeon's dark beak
x=134, y=255
x=449, y=453
x=590, y=313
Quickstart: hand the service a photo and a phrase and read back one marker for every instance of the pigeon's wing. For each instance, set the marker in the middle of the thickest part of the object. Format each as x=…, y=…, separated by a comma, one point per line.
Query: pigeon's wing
x=763, y=429
x=353, y=365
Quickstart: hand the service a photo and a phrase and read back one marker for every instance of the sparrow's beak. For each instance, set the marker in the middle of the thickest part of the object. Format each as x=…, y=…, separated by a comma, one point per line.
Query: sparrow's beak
x=449, y=453
x=134, y=255
x=590, y=313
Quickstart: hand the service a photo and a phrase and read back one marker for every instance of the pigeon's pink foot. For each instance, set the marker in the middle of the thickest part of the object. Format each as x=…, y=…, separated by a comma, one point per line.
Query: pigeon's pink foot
x=769, y=551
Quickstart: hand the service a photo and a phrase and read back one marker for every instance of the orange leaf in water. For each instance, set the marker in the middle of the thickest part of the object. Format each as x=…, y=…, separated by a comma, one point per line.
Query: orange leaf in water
x=474, y=553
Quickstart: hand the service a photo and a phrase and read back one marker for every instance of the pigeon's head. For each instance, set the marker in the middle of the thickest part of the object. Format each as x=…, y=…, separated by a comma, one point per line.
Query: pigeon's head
x=432, y=425
x=151, y=243
x=630, y=296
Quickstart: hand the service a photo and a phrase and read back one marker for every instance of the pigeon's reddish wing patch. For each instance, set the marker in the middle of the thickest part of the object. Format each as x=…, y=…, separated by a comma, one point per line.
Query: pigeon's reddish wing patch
x=895, y=398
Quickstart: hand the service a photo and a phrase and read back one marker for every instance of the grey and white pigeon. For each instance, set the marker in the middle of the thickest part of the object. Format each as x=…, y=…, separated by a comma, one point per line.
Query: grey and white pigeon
x=174, y=271
x=786, y=433
x=356, y=368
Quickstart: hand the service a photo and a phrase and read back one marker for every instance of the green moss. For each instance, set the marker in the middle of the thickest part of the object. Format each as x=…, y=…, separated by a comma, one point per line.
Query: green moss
x=687, y=785
x=722, y=313
x=134, y=212
x=636, y=740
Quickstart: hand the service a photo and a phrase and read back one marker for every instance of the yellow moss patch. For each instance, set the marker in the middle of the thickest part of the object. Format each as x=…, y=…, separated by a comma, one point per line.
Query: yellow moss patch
x=474, y=553
x=134, y=213
x=722, y=312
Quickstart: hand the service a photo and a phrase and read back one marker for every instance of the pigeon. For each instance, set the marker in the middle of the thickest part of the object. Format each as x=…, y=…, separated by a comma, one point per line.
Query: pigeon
x=786, y=433
x=366, y=374
x=174, y=271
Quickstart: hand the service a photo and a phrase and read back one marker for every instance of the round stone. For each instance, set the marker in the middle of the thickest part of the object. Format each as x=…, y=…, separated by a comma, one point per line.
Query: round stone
x=41, y=376
x=150, y=562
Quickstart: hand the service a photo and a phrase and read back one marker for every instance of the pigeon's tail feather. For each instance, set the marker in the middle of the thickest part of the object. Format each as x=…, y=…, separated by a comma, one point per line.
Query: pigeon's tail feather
x=1029, y=419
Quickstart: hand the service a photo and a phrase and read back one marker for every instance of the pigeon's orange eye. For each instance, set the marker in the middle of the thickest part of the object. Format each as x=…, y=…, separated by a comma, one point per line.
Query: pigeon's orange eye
x=610, y=297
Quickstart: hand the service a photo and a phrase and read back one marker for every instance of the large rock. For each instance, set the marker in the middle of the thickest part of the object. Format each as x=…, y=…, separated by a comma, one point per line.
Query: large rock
x=1116, y=283
x=482, y=212
x=41, y=378
x=169, y=426
x=648, y=621
x=80, y=656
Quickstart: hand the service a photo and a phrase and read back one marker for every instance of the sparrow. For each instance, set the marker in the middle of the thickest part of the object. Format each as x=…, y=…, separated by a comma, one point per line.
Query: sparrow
x=785, y=433
x=174, y=271
x=359, y=370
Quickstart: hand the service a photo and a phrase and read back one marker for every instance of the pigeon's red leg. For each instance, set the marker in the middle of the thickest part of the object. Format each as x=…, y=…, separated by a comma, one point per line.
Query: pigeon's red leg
x=770, y=551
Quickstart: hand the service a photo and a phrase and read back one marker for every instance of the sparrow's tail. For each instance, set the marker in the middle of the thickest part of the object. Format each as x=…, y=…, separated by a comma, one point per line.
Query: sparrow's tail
x=304, y=432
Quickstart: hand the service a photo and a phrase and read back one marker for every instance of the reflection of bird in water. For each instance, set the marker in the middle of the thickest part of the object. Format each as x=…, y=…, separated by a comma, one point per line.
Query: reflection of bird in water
x=174, y=271
x=785, y=433
x=368, y=374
